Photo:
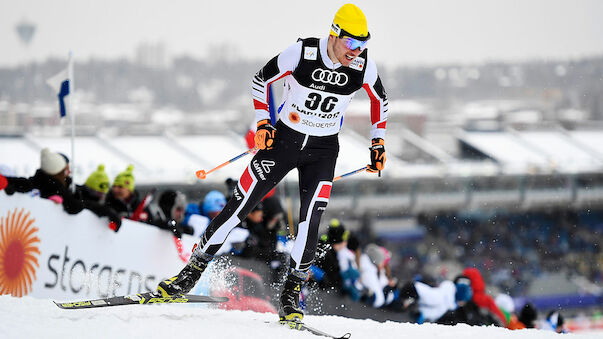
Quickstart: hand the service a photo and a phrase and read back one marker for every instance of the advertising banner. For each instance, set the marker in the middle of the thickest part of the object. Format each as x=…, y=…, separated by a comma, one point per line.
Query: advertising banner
x=47, y=253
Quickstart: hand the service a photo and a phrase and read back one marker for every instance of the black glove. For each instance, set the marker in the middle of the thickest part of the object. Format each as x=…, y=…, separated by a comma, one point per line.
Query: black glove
x=115, y=225
x=377, y=155
x=264, y=135
x=115, y=221
x=175, y=227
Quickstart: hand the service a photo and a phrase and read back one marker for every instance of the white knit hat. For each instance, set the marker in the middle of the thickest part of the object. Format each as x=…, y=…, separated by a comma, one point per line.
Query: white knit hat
x=52, y=163
x=505, y=302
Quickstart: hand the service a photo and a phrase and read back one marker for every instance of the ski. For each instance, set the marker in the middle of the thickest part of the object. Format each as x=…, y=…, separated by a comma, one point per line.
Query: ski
x=296, y=325
x=141, y=298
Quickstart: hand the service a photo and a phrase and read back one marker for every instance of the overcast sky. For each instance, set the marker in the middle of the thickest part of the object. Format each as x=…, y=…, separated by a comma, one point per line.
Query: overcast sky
x=404, y=32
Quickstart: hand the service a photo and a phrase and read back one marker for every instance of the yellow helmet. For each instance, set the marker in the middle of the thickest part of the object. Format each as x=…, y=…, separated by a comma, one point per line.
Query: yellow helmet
x=350, y=21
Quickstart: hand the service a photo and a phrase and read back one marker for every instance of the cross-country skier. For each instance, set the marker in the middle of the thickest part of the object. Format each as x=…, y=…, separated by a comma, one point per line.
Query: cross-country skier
x=320, y=78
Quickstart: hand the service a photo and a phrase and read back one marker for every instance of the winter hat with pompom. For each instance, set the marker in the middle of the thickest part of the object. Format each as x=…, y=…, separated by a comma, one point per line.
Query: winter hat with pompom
x=98, y=180
x=125, y=179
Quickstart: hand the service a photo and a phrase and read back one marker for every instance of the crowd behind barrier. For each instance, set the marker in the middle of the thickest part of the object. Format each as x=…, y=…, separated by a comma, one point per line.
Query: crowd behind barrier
x=514, y=249
x=352, y=266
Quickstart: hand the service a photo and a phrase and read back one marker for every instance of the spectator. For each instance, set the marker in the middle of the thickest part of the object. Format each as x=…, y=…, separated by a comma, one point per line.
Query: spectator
x=273, y=214
x=354, y=246
x=192, y=208
x=213, y=203
x=247, y=236
x=528, y=315
x=93, y=194
x=507, y=306
x=274, y=228
x=198, y=218
x=554, y=322
x=168, y=213
x=326, y=268
x=338, y=262
x=480, y=297
x=466, y=312
x=263, y=228
x=96, y=186
x=427, y=303
x=122, y=197
x=52, y=180
x=230, y=186
x=373, y=276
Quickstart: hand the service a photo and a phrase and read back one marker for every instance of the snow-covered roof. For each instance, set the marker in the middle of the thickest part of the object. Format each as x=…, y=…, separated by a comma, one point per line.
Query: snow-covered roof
x=163, y=159
x=167, y=159
x=590, y=140
x=505, y=148
x=545, y=151
x=562, y=152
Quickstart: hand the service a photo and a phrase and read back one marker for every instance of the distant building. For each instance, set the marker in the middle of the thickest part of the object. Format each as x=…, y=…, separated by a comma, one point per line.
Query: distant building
x=152, y=55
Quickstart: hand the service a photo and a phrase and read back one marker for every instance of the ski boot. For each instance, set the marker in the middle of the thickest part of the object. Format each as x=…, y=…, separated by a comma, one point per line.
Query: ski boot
x=188, y=276
x=289, y=312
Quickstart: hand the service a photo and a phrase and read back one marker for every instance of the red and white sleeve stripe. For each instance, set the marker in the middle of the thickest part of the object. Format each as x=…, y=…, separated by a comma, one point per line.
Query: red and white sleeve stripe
x=376, y=92
x=277, y=68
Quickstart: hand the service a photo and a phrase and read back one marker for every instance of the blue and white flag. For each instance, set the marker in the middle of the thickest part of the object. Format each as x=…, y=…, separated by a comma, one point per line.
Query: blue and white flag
x=61, y=84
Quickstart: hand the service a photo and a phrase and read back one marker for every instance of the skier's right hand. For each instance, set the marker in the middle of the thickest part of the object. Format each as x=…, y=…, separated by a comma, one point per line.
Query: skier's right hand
x=264, y=135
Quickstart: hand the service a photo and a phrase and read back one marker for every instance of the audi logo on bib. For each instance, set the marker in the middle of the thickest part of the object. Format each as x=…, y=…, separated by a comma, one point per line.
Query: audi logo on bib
x=330, y=77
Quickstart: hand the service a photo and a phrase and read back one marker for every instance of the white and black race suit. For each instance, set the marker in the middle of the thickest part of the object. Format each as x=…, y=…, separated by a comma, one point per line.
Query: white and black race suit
x=317, y=93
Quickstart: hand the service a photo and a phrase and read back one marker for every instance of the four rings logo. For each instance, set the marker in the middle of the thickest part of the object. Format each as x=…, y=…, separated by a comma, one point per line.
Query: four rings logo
x=330, y=77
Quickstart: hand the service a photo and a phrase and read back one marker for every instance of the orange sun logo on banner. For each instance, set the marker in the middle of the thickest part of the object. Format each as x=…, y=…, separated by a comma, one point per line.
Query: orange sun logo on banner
x=18, y=253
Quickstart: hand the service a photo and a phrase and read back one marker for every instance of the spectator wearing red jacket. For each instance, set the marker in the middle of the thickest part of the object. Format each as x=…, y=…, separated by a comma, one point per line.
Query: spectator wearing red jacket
x=480, y=298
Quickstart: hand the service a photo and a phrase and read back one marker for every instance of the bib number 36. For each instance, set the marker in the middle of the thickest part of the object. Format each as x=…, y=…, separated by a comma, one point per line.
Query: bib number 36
x=315, y=100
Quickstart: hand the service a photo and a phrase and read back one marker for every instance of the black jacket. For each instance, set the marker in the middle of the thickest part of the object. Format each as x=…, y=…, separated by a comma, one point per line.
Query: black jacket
x=49, y=186
x=124, y=209
x=157, y=217
x=326, y=259
x=469, y=314
x=261, y=243
x=21, y=185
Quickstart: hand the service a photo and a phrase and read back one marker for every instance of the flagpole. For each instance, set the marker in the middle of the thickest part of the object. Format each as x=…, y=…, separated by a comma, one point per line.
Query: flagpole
x=71, y=117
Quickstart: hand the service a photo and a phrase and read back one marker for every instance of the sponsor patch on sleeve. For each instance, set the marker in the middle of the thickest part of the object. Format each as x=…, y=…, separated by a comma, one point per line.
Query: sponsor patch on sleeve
x=357, y=64
x=310, y=53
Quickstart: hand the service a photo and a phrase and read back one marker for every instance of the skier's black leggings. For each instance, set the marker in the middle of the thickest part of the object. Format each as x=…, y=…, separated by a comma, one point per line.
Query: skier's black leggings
x=314, y=157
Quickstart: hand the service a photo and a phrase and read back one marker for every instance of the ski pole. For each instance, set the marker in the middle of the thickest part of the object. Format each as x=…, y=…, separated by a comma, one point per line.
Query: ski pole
x=350, y=173
x=201, y=174
x=181, y=255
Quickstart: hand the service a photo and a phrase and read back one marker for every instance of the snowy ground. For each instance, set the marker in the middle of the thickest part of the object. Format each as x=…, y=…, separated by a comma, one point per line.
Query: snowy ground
x=39, y=318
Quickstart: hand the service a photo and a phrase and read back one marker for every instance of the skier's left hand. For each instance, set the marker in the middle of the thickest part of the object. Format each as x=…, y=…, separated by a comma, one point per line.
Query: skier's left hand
x=377, y=155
